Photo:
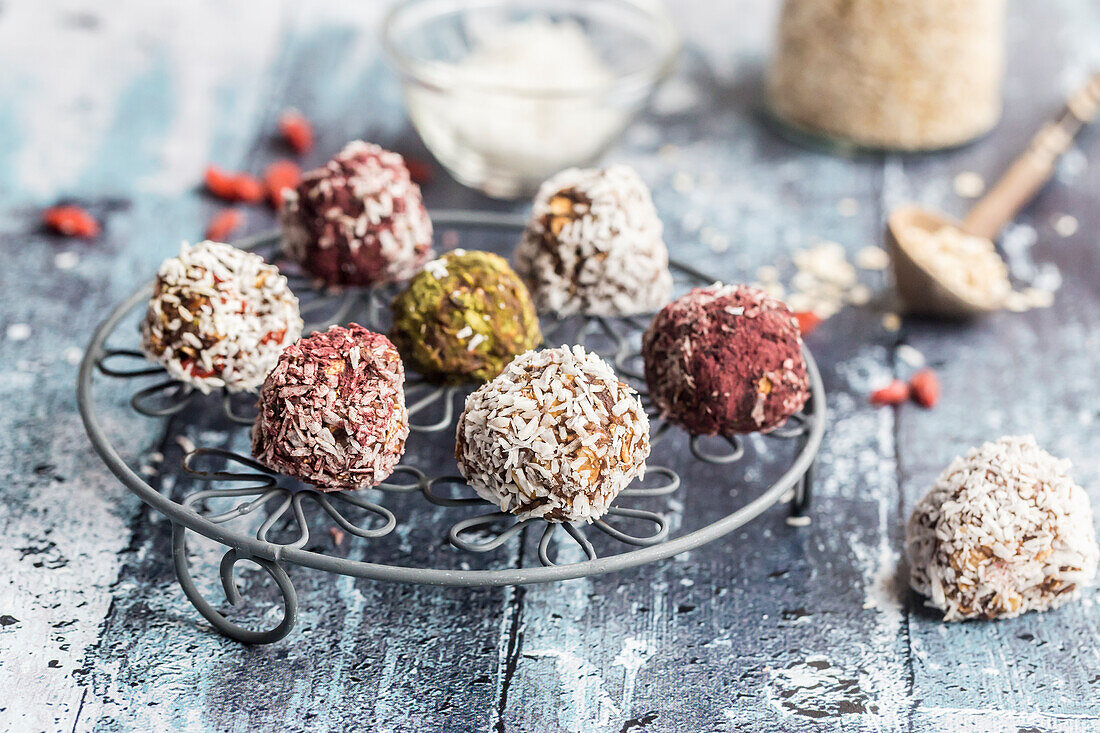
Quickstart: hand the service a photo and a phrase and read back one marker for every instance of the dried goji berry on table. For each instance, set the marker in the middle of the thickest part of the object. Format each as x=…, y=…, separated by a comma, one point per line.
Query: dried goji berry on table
x=222, y=224
x=247, y=188
x=220, y=183
x=892, y=394
x=925, y=386
x=280, y=175
x=808, y=321
x=296, y=130
x=72, y=221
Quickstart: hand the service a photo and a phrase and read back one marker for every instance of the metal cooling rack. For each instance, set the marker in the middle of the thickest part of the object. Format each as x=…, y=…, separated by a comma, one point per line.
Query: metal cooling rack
x=282, y=537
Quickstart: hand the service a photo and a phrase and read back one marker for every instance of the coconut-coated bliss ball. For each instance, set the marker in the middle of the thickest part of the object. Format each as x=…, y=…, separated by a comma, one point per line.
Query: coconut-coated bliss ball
x=464, y=317
x=1004, y=530
x=357, y=220
x=219, y=317
x=594, y=245
x=332, y=412
x=556, y=435
x=725, y=359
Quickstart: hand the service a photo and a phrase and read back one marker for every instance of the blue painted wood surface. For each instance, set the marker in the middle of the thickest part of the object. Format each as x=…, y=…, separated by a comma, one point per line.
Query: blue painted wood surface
x=120, y=107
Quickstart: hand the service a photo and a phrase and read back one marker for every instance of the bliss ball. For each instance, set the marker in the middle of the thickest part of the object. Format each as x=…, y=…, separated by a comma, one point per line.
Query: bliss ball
x=556, y=435
x=725, y=359
x=219, y=317
x=358, y=220
x=1003, y=531
x=464, y=317
x=593, y=245
x=332, y=412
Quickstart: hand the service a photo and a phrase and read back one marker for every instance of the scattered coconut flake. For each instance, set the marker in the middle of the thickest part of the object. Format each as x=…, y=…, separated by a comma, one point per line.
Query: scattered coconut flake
x=891, y=322
x=72, y=355
x=19, y=332
x=802, y=521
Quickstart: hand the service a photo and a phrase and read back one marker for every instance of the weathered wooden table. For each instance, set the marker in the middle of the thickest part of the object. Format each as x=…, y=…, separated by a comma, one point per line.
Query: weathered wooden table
x=777, y=628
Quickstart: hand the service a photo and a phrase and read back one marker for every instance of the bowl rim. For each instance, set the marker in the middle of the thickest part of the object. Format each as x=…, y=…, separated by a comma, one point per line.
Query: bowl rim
x=652, y=72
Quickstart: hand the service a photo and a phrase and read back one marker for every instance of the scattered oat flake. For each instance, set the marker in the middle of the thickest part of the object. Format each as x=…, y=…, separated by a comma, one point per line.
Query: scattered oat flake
x=337, y=535
x=848, y=207
x=969, y=185
x=891, y=322
x=19, y=332
x=72, y=221
x=910, y=355
x=296, y=130
x=66, y=260
x=872, y=258
x=859, y=295
x=1066, y=225
x=801, y=521
x=668, y=150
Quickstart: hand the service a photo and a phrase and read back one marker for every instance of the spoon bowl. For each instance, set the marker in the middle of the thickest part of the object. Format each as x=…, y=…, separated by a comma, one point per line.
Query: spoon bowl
x=921, y=291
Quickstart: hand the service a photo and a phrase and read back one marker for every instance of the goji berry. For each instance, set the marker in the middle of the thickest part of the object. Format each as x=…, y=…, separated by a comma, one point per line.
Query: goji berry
x=220, y=183
x=892, y=394
x=247, y=188
x=72, y=221
x=273, y=337
x=296, y=130
x=925, y=386
x=808, y=321
x=222, y=224
x=280, y=175
x=420, y=172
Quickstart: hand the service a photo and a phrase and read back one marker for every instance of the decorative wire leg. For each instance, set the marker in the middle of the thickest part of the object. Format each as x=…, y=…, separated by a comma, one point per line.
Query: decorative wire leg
x=211, y=614
x=803, y=492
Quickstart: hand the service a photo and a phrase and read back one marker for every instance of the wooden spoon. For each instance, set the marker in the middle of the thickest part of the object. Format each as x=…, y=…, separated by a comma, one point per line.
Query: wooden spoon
x=924, y=293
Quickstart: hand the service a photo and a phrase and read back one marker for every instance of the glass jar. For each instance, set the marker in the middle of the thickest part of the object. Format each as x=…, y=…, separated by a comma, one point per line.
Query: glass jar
x=889, y=74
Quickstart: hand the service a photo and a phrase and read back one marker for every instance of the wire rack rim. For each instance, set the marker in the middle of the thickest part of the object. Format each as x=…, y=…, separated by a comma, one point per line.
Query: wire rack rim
x=249, y=547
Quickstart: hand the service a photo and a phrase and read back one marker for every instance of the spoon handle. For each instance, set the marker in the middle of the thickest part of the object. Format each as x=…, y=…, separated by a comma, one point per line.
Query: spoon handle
x=1035, y=166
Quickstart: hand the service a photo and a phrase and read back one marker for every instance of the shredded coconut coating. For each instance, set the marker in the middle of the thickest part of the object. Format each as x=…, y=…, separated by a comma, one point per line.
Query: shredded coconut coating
x=726, y=359
x=594, y=245
x=219, y=317
x=1003, y=531
x=556, y=435
x=332, y=412
x=357, y=220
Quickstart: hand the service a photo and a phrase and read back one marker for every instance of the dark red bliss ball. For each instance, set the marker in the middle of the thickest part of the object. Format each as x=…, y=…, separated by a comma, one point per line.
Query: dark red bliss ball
x=725, y=359
x=357, y=220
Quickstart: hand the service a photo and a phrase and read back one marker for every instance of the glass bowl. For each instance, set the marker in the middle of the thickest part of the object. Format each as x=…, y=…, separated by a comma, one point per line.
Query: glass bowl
x=505, y=93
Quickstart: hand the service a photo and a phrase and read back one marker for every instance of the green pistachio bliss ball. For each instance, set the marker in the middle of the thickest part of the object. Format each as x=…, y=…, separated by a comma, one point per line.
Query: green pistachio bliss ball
x=464, y=317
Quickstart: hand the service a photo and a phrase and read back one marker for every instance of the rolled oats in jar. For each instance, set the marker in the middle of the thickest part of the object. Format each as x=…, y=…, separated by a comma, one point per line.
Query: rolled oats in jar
x=897, y=74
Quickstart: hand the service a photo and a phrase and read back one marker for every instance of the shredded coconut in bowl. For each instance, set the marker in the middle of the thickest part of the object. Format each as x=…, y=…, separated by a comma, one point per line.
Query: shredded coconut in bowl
x=1003, y=531
x=555, y=436
x=219, y=317
x=594, y=245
